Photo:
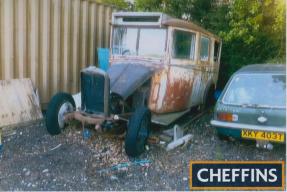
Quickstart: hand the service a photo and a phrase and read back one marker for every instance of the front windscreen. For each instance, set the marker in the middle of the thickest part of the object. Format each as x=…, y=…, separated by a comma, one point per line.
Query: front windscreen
x=125, y=41
x=257, y=89
x=148, y=42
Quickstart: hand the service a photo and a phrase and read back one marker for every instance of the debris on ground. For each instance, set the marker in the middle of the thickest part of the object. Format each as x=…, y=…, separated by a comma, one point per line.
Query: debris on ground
x=87, y=134
x=125, y=165
x=183, y=141
x=56, y=147
x=28, y=163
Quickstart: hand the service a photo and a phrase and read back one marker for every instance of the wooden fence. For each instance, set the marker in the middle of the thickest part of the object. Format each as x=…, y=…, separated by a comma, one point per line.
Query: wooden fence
x=50, y=41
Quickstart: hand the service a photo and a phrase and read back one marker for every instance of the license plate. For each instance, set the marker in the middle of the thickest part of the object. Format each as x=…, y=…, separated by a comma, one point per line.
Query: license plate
x=263, y=135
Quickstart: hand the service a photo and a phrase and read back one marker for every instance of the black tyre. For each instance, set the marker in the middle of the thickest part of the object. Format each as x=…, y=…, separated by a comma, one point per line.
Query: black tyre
x=209, y=100
x=138, y=132
x=60, y=104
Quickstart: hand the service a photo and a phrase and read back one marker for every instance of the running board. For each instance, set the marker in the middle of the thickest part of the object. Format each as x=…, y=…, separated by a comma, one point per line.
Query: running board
x=168, y=118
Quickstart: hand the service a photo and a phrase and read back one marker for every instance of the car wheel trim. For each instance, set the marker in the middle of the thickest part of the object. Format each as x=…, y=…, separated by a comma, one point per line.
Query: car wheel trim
x=65, y=108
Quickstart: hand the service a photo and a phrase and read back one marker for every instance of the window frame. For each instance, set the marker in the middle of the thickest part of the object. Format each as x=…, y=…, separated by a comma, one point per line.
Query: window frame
x=138, y=39
x=165, y=42
x=193, y=33
x=208, y=52
x=217, y=58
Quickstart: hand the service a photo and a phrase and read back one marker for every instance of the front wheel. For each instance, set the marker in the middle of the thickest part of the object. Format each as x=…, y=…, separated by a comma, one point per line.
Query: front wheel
x=59, y=105
x=138, y=132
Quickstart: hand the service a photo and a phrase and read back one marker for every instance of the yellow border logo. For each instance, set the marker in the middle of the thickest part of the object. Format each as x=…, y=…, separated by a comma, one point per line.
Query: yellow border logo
x=282, y=163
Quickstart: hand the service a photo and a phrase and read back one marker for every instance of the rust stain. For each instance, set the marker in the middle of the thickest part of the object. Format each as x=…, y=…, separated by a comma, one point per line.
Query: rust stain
x=171, y=89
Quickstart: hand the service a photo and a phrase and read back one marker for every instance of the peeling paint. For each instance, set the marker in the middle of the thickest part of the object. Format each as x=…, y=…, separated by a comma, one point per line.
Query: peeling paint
x=162, y=90
x=175, y=87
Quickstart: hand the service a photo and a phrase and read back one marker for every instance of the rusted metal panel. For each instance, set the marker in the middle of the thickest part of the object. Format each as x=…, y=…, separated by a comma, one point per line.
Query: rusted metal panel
x=171, y=89
x=19, y=102
x=50, y=41
x=197, y=89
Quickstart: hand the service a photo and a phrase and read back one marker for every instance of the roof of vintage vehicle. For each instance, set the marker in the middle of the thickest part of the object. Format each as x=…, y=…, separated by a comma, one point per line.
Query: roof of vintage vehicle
x=164, y=19
x=263, y=68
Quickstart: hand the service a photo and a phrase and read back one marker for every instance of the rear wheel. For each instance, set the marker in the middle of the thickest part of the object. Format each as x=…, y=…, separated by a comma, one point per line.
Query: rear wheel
x=59, y=105
x=209, y=100
x=138, y=132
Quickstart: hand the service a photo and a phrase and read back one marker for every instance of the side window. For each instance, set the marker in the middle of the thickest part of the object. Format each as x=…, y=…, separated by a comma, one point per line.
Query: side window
x=216, y=51
x=204, y=48
x=183, y=45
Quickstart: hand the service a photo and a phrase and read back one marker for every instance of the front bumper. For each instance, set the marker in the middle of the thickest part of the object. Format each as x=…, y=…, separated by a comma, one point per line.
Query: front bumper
x=240, y=126
x=86, y=118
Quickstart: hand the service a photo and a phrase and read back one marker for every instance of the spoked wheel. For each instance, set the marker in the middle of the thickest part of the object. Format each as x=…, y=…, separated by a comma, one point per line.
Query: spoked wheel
x=138, y=132
x=60, y=104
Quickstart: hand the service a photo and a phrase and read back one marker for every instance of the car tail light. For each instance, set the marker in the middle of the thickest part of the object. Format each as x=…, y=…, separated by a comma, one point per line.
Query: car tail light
x=227, y=117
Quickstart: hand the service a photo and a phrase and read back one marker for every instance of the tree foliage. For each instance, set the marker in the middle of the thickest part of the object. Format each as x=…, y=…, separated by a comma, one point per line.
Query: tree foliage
x=253, y=31
x=256, y=34
x=119, y=4
x=195, y=10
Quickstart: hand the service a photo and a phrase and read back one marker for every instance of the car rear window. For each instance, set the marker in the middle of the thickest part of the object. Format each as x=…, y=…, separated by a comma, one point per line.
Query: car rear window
x=264, y=90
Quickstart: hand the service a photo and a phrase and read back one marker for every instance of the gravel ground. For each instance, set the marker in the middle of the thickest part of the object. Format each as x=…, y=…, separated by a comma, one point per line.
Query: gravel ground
x=33, y=160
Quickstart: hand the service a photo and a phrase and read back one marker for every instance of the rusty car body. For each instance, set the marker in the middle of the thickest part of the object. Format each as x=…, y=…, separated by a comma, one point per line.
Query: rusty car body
x=177, y=82
x=160, y=67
